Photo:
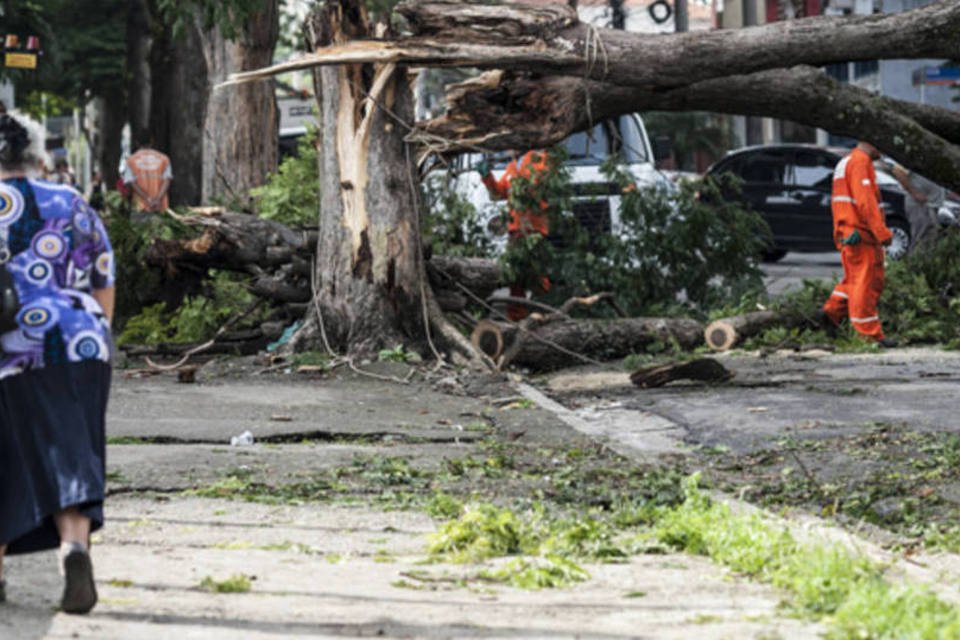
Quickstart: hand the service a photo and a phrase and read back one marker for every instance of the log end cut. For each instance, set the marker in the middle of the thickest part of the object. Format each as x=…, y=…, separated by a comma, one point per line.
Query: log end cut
x=488, y=338
x=720, y=335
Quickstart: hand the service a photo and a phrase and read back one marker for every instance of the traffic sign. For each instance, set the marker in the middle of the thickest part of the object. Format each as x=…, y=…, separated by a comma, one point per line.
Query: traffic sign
x=21, y=60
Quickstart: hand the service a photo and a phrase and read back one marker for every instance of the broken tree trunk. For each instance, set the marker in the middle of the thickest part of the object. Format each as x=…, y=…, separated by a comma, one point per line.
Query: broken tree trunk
x=232, y=241
x=701, y=370
x=370, y=279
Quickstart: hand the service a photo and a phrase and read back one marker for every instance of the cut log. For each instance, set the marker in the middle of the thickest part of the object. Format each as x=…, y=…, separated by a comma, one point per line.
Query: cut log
x=489, y=337
x=570, y=342
x=726, y=333
x=702, y=369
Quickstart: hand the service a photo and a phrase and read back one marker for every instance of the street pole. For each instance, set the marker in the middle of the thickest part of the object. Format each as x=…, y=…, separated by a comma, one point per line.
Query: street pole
x=681, y=18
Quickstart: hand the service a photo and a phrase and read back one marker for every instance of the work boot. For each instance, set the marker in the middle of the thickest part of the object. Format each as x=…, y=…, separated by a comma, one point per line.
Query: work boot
x=823, y=322
x=79, y=591
x=888, y=343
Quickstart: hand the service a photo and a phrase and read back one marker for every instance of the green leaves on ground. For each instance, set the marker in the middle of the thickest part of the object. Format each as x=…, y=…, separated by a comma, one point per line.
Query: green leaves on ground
x=237, y=583
x=824, y=581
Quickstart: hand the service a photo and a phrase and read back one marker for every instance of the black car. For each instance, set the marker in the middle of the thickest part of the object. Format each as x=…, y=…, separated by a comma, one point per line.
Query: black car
x=789, y=185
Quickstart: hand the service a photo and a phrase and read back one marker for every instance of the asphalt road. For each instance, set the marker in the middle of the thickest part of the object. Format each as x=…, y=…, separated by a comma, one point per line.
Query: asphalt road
x=790, y=272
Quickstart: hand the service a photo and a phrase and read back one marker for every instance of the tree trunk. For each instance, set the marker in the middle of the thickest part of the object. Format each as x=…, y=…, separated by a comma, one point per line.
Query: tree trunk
x=371, y=280
x=178, y=108
x=369, y=260
x=110, y=120
x=139, y=41
x=240, y=127
x=553, y=346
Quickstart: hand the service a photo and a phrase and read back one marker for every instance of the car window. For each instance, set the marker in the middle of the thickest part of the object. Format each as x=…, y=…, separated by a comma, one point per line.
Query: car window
x=764, y=168
x=593, y=144
x=609, y=137
x=811, y=169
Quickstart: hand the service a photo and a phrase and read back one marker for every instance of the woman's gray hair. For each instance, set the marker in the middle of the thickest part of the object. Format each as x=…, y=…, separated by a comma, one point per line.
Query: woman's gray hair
x=34, y=152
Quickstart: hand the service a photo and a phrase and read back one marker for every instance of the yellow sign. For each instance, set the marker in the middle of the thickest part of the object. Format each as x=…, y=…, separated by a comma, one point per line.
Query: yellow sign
x=22, y=60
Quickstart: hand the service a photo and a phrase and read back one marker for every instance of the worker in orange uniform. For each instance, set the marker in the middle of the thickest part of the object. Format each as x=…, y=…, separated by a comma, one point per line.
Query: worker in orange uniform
x=522, y=223
x=860, y=233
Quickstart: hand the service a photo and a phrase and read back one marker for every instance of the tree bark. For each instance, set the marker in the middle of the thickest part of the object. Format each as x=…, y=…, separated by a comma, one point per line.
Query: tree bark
x=178, y=107
x=110, y=121
x=701, y=369
x=550, y=39
x=369, y=259
x=240, y=127
x=602, y=340
x=139, y=42
x=500, y=110
x=725, y=333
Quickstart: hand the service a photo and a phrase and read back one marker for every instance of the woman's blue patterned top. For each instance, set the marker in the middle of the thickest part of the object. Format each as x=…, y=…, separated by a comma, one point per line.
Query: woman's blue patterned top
x=56, y=248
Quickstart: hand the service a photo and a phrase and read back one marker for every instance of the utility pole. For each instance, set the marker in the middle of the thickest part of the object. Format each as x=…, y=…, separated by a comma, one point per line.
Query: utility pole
x=681, y=18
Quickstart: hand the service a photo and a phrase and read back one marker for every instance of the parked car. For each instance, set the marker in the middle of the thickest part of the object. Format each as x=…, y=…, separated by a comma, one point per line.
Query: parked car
x=596, y=201
x=790, y=186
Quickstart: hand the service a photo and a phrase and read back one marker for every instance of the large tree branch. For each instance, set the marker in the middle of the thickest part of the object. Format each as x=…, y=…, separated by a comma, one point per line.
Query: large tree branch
x=552, y=40
x=501, y=110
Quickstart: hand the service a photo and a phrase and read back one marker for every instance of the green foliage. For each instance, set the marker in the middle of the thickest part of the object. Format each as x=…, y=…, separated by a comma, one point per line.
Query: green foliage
x=822, y=580
x=138, y=284
x=84, y=49
x=197, y=319
x=230, y=16
x=291, y=196
x=451, y=224
x=237, y=583
x=396, y=354
x=533, y=574
x=484, y=531
x=674, y=251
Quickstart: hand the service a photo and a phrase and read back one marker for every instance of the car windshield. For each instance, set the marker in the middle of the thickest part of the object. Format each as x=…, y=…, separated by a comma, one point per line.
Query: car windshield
x=593, y=147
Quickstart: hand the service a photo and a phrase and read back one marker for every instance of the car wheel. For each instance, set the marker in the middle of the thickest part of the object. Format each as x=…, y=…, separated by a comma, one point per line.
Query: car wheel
x=773, y=255
x=901, y=242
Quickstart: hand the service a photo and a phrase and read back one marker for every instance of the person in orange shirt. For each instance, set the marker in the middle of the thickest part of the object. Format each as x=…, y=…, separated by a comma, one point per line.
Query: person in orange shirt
x=148, y=174
x=860, y=233
x=522, y=222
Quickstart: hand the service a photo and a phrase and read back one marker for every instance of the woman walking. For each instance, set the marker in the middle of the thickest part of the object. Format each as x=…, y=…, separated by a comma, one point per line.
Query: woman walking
x=56, y=302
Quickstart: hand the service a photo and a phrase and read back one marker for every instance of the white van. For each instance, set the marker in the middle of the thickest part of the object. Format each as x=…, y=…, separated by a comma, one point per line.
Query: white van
x=596, y=200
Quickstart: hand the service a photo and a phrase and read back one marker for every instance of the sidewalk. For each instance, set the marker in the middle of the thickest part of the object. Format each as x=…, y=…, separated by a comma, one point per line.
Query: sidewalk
x=333, y=569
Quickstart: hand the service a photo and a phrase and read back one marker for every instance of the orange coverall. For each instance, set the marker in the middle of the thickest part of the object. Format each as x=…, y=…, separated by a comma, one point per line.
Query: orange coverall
x=855, y=205
x=521, y=223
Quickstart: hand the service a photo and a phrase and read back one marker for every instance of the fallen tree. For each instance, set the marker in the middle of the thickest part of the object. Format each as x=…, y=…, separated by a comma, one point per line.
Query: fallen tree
x=559, y=75
x=555, y=76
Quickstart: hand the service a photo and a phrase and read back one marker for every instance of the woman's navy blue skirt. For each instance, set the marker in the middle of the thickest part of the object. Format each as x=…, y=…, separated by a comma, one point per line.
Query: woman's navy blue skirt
x=52, y=451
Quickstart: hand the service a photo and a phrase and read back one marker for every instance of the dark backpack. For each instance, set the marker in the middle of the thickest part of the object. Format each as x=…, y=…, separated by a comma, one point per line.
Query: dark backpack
x=9, y=301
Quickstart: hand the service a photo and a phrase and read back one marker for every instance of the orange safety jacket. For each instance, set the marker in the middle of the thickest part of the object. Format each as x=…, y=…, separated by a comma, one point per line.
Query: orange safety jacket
x=521, y=222
x=856, y=201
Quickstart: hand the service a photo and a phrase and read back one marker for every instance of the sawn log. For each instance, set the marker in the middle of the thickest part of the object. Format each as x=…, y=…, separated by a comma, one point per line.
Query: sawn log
x=726, y=333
